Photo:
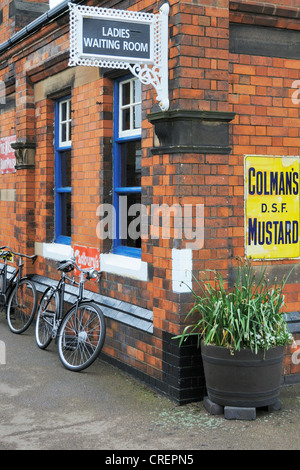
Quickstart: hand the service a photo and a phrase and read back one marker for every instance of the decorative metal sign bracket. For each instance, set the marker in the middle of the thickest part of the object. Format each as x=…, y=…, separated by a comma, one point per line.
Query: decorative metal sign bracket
x=106, y=47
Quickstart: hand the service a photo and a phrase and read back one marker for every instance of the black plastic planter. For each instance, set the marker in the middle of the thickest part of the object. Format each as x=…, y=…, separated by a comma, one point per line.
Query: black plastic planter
x=242, y=379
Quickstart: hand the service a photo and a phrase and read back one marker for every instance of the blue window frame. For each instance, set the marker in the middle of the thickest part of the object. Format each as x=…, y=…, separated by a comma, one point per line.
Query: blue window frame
x=127, y=166
x=63, y=188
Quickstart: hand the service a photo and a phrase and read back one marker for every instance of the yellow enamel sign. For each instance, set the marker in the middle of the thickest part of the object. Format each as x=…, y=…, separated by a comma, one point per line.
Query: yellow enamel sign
x=272, y=207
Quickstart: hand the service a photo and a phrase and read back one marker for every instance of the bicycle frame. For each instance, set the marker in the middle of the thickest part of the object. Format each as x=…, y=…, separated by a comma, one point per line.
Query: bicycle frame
x=60, y=288
x=80, y=329
x=7, y=285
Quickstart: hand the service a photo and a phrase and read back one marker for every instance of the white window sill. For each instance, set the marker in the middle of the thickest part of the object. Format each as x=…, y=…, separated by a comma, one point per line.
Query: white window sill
x=109, y=263
x=57, y=251
x=124, y=266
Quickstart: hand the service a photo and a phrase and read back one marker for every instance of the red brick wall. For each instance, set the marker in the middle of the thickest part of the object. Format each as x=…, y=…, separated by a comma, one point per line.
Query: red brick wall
x=8, y=182
x=199, y=37
x=16, y=16
x=266, y=123
x=203, y=76
x=7, y=26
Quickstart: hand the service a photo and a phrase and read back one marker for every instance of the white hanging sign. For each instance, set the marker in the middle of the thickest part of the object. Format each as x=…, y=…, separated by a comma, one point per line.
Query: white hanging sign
x=123, y=39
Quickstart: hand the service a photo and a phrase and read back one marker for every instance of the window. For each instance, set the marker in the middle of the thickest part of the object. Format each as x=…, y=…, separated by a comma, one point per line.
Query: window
x=63, y=171
x=127, y=166
x=130, y=108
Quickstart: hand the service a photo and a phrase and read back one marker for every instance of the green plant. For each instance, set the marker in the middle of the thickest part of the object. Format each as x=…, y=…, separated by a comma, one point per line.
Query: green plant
x=247, y=315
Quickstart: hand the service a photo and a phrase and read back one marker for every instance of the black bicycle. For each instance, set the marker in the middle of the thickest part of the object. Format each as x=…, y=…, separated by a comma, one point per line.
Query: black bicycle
x=80, y=333
x=17, y=293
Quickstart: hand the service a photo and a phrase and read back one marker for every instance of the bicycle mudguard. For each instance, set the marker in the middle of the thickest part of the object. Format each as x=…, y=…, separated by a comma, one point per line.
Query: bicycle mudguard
x=82, y=301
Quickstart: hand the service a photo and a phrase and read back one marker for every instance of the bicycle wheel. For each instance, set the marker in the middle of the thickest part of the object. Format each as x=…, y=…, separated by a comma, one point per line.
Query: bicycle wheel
x=49, y=305
x=81, y=336
x=21, y=306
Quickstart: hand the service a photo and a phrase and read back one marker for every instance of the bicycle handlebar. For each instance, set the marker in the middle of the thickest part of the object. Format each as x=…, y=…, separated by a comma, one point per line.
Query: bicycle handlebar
x=70, y=264
x=32, y=257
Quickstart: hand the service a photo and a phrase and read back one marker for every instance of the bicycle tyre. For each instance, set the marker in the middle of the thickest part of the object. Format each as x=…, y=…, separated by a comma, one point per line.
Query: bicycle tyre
x=21, y=306
x=81, y=336
x=47, y=310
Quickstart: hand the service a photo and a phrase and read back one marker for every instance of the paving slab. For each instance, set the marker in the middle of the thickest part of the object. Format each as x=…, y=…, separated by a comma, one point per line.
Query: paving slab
x=43, y=406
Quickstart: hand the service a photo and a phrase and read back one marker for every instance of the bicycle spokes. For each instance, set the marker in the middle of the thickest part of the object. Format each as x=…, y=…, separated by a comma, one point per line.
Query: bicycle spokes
x=21, y=306
x=81, y=337
x=83, y=329
x=46, y=324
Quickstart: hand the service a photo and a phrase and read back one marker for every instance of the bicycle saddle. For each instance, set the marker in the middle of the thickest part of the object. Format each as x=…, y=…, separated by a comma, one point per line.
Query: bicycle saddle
x=66, y=266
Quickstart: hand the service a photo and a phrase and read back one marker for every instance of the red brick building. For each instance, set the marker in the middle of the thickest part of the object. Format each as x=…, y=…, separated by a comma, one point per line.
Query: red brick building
x=84, y=137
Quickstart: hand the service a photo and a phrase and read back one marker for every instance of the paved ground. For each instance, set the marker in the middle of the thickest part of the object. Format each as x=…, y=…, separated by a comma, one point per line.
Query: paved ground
x=44, y=406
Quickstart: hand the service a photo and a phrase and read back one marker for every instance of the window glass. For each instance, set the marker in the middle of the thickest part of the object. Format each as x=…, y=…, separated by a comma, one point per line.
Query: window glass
x=126, y=119
x=65, y=214
x=125, y=93
x=137, y=116
x=63, y=176
x=131, y=164
x=130, y=229
x=127, y=166
x=65, y=168
x=130, y=92
x=65, y=123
